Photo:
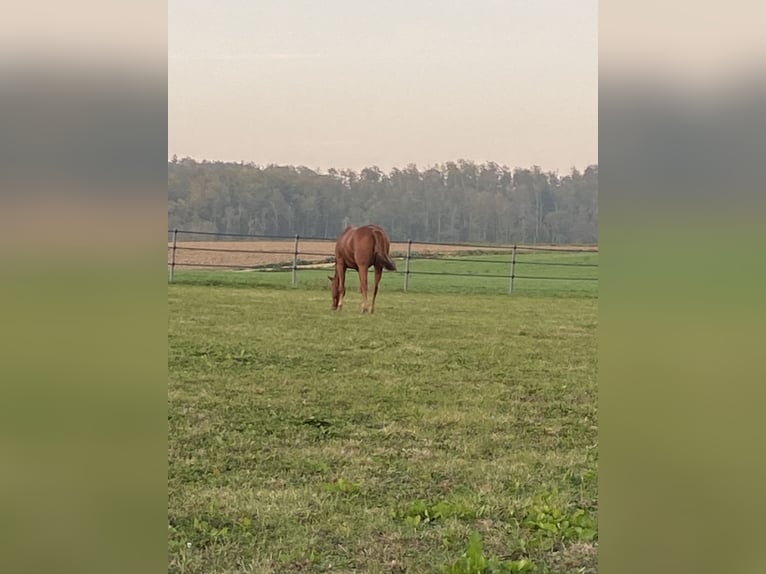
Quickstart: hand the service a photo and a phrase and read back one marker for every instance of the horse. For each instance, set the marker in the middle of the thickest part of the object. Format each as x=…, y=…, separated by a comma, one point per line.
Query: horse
x=360, y=248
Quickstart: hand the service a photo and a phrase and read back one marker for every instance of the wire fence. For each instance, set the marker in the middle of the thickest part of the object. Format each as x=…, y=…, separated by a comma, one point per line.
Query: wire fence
x=188, y=249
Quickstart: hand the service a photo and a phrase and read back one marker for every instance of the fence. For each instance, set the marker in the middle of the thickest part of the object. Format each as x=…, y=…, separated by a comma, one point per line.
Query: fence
x=296, y=254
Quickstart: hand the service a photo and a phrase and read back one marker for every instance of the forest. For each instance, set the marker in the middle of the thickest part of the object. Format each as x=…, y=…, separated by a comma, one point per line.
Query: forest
x=460, y=201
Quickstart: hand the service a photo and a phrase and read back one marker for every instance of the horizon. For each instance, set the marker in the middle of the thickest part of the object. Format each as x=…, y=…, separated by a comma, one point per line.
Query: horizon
x=422, y=168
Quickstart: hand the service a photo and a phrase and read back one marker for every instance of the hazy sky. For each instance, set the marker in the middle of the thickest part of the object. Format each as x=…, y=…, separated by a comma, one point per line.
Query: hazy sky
x=349, y=84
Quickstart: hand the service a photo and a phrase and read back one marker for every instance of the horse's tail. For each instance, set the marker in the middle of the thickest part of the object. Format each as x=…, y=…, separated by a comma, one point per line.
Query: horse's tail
x=380, y=248
x=387, y=262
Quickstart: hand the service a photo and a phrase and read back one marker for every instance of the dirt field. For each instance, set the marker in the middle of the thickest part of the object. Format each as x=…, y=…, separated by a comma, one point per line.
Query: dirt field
x=253, y=253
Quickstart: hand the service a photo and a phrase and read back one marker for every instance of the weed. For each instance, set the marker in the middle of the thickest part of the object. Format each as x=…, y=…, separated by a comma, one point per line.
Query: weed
x=473, y=561
x=546, y=515
x=422, y=512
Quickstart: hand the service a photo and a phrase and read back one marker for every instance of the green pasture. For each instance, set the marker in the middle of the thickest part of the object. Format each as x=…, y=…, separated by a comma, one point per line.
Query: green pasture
x=449, y=432
x=536, y=274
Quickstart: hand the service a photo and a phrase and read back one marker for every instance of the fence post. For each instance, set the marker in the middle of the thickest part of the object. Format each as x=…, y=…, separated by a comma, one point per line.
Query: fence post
x=173, y=255
x=295, y=262
x=407, y=266
x=513, y=270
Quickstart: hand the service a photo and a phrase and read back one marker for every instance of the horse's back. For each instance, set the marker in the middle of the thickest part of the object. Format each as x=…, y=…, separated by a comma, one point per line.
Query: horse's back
x=346, y=246
x=352, y=236
x=380, y=235
x=362, y=245
x=341, y=244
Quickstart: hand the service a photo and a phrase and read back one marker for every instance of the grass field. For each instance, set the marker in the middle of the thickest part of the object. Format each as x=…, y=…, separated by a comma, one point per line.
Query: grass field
x=302, y=440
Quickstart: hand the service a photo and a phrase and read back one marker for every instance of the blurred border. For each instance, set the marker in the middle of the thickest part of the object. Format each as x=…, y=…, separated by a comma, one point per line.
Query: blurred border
x=83, y=179
x=682, y=112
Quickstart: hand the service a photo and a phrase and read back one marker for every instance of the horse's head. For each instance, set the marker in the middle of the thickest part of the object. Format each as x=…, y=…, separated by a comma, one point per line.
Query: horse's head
x=335, y=288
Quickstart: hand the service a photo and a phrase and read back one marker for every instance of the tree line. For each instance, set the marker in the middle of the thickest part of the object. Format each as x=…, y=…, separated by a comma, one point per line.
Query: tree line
x=458, y=201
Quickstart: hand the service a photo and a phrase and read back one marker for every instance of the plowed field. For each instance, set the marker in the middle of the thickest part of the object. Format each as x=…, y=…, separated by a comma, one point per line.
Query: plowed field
x=256, y=253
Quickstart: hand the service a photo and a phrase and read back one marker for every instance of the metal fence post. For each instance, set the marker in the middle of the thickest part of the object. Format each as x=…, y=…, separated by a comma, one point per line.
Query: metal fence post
x=173, y=255
x=295, y=262
x=513, y=270
x=407, y=265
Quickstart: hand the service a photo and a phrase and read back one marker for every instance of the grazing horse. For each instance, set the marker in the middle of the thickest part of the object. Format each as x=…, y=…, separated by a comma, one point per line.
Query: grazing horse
x=360, y=248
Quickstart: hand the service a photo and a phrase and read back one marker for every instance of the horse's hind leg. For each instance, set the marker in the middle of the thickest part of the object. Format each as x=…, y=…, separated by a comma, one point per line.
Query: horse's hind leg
x=363, y=286
x=378, y=274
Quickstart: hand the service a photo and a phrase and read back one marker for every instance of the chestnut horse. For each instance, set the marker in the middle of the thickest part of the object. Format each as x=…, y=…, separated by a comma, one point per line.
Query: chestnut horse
x=360, y=248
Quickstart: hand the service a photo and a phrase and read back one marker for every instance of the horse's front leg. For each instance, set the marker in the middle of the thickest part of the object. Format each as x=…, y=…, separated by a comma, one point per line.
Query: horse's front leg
x=341, y=288
x=363, y=286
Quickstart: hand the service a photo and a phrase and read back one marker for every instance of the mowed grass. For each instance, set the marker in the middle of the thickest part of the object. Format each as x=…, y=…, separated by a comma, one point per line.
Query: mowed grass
x=302, y=440
x=536, y=274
